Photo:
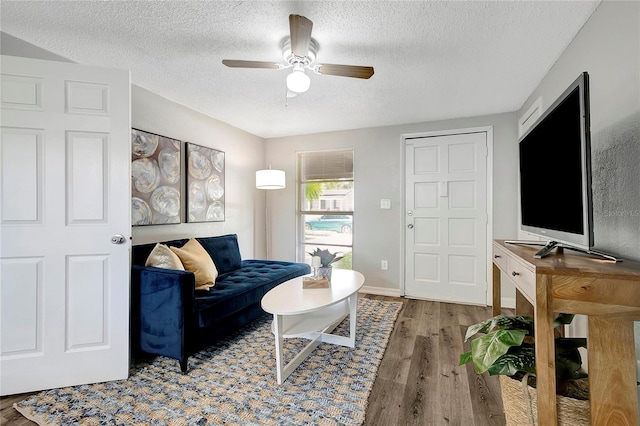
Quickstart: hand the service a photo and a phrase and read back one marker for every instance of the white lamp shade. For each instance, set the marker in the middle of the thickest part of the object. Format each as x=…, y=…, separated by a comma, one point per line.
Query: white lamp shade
x=298, y=81
x=270, y=179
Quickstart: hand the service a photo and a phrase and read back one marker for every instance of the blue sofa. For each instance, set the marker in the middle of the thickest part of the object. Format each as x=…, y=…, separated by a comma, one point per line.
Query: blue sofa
x=170, y=318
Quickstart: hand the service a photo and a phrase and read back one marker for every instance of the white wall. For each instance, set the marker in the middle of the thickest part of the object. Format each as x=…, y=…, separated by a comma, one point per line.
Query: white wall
x=378, y=170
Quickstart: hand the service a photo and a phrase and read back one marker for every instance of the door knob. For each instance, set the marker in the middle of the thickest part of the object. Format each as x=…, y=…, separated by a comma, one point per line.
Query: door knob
x=118, y=239
x=410, y=226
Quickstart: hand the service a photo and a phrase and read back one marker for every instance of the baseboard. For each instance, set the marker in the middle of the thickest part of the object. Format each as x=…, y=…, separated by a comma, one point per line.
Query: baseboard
x=380, y=291
x=506, y=302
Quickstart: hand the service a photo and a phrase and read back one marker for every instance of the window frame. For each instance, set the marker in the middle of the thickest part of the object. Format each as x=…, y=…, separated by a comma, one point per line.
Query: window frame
x=300, y=198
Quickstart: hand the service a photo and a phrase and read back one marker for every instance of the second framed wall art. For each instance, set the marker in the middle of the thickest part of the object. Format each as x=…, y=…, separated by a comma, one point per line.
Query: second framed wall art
x=205, y=184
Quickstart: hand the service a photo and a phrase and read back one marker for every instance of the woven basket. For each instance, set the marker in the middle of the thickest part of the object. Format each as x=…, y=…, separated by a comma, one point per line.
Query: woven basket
x=520, y=403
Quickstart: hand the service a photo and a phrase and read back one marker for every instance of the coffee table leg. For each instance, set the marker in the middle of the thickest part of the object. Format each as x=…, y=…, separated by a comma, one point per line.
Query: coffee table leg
x=277, y=331
x=316, y=337
x=353, y=305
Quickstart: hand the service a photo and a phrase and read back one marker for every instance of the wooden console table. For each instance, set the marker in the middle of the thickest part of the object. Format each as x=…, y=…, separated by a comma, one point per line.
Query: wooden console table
x=609, y=293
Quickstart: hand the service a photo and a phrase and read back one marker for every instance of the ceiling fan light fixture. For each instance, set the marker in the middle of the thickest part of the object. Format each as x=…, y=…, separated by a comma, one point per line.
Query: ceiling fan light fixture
x=298, y=81
x=299, y=52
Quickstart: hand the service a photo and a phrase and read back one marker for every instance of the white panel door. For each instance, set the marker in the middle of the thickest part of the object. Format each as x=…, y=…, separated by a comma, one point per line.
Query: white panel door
x=446, y=218
x=64, y=194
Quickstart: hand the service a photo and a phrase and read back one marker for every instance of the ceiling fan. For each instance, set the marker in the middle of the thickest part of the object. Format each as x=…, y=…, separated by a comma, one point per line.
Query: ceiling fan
x=299, y=52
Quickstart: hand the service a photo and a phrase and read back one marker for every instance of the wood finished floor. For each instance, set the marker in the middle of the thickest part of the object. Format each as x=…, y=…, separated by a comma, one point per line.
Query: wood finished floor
x=419, y=381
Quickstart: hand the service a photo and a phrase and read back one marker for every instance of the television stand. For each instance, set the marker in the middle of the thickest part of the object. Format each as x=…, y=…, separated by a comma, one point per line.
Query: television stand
x=550, y=245
x=607, y=293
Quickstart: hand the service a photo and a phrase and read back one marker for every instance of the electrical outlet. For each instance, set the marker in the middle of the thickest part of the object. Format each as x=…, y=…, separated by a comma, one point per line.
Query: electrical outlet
x=385, y=203
x=384, y=265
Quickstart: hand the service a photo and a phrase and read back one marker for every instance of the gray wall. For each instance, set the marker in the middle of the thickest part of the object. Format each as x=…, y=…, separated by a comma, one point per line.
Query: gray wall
x=608, y=48
x=244, y=154
x=378, y=170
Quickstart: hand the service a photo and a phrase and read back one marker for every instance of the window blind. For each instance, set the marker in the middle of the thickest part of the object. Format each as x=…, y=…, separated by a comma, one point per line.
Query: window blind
x=326, y=165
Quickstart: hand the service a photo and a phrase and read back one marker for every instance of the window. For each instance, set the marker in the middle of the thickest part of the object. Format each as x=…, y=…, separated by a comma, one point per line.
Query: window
x=325, y=210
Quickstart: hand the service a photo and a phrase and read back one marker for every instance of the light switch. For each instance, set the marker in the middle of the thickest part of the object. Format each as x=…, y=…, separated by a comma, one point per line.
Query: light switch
x=385, y=203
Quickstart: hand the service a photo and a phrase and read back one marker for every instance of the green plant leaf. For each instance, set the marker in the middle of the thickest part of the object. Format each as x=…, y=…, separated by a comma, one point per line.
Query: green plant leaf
x=501, y=322
x=465, y=358
x=481, y=327
x=487, y=349
x=519, y=358
x=562, y=319
x=568, y=365
x=568, y=358
x=326, y=257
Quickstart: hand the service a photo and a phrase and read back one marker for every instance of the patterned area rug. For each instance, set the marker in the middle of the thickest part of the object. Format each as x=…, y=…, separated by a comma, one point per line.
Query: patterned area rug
x=234, y=382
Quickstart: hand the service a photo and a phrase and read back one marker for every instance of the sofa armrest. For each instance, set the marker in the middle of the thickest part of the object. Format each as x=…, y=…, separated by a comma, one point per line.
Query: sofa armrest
x=161, y=311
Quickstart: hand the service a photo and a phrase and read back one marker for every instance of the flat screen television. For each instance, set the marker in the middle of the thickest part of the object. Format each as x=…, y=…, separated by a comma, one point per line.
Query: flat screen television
x=555, y=173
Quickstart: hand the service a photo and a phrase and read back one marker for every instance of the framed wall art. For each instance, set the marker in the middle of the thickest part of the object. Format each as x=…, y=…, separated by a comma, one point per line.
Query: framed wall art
x=205, y=184
x=155, y=179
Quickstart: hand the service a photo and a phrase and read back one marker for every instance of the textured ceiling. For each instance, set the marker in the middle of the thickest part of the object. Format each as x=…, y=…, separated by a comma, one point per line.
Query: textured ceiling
x=432, y=60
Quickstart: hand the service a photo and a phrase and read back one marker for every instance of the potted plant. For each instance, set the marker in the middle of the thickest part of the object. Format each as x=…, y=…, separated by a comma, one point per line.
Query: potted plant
x=505, y=345
x=326, y=260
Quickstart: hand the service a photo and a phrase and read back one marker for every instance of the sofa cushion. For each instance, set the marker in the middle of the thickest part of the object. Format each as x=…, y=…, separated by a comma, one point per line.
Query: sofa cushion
x=241, y=288
x=162, y=257
x=224, y=251
x=196, y=259
x=141, y=252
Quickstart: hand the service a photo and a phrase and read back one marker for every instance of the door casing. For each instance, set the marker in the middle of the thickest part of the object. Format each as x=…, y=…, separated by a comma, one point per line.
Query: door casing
x=489, y=229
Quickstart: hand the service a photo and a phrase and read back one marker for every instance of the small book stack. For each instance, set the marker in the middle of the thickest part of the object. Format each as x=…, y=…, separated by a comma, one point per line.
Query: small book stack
x=315, y=282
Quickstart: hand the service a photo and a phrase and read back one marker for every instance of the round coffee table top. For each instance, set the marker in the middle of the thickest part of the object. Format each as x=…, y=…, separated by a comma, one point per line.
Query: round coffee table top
x=289, y=298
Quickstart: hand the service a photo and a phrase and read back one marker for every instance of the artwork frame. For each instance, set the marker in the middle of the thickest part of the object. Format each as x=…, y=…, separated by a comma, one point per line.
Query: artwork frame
x=156, y=179
x=205, y=183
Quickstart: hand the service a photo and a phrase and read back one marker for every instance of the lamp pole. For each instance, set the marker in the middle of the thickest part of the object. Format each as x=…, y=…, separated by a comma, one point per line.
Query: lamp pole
x=269, y=179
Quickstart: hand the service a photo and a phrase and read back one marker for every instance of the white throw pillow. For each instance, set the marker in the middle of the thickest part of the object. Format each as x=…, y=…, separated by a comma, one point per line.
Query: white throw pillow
x=162, y=257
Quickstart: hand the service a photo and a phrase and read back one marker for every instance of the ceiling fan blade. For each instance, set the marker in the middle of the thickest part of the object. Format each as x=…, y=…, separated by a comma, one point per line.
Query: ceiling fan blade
x=300, y=31
x=251, y=64
x=345, y=70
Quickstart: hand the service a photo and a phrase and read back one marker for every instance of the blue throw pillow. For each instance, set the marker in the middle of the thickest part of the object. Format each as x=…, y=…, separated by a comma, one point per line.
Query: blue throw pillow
x=224, y=251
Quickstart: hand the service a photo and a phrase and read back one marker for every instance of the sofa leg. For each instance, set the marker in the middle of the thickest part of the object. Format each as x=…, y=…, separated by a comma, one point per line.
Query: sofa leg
x=184, y=365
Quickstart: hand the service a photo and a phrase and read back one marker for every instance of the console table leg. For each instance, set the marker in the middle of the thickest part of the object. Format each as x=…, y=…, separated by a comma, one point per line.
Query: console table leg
x=496, y=291
x=545, y=352
x=612, y=374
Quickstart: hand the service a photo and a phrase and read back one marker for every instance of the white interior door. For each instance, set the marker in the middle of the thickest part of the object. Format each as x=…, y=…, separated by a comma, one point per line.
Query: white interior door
x=446, y=218
x=65, y=192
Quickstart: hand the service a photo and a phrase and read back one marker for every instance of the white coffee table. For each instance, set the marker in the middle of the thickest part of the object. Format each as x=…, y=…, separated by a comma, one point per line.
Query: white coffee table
x=312, y=313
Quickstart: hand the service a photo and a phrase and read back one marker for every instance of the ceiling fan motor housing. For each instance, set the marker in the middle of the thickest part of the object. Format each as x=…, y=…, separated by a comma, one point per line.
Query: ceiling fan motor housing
x=291, y=59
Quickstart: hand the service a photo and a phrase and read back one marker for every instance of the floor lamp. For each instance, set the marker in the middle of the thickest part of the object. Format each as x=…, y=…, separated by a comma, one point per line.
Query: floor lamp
x=269, y=179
